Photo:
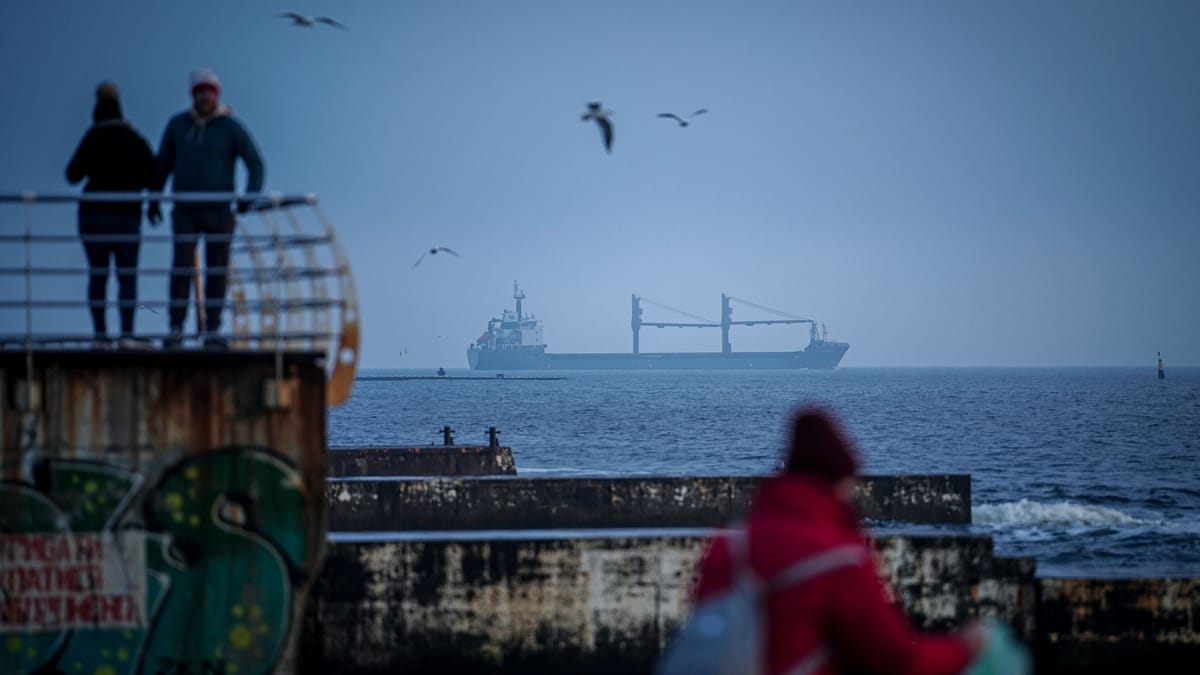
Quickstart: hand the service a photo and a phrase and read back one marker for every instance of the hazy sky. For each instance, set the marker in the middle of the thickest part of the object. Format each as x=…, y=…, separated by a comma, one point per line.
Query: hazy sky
x=941, y=183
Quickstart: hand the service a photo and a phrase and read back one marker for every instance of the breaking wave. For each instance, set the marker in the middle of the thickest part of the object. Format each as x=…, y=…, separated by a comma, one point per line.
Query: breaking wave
x=1026, y=513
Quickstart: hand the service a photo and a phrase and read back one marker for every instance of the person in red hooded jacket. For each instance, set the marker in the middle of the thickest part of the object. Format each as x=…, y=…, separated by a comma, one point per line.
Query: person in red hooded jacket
x=835, y=616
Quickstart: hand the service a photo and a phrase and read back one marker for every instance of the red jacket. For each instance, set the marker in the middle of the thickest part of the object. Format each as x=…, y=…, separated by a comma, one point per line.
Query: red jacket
x=841, y=617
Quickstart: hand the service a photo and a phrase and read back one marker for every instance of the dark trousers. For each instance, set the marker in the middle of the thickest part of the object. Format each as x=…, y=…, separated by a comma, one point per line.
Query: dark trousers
x=188, y=224
x=111, y=237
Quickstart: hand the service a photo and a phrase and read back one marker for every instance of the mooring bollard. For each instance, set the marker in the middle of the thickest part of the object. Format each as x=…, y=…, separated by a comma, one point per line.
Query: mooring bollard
x=447, y=435
x=493, y=442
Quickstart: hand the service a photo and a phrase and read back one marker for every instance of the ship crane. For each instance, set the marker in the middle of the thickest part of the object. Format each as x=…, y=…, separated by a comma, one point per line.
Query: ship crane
x=725, y=324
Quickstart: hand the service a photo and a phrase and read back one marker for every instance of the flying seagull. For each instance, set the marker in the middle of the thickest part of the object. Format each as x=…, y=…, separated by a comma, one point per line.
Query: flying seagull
x=307, y=21
x=597, y=112
x=683, y=122
x=434, y=251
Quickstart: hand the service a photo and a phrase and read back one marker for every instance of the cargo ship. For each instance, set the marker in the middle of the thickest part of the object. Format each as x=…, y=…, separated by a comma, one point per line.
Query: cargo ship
x=514, y=341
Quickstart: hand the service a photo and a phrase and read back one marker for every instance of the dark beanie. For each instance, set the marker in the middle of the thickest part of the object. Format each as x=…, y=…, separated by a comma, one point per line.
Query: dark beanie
x=108, y=103
x=819, y=447
x=107, y=90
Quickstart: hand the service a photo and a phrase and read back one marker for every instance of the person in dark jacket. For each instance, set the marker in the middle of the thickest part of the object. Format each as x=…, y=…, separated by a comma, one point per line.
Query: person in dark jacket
x=837, y=618
x=200, y=148
x=113, y=157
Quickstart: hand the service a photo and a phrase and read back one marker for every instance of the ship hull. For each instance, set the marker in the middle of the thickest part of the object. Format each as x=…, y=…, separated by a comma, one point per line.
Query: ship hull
x=815, y=356
x=507, y=359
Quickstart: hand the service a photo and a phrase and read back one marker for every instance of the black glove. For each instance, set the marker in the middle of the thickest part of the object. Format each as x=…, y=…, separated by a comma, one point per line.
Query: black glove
x=243, y=205
x=154, y=213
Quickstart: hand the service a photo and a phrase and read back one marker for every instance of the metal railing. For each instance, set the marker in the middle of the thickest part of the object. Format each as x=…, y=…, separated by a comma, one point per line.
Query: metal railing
x=289, y=283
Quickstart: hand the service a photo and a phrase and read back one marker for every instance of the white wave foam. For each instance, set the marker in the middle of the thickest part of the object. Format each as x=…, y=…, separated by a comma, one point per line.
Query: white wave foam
x=564, y=471
x=1025, y=513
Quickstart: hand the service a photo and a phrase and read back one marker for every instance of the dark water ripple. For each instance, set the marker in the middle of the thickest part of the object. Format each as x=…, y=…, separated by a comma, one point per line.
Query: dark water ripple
x=1089, y=470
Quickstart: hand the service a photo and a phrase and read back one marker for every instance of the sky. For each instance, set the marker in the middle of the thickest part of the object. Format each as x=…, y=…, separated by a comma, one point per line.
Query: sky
x=941, y=183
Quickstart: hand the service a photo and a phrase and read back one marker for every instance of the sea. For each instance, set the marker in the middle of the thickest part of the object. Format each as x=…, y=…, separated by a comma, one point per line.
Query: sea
x=1091, y=471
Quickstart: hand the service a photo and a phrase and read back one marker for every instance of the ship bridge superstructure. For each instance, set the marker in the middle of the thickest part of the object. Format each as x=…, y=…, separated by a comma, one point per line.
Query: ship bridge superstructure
x=514, y=329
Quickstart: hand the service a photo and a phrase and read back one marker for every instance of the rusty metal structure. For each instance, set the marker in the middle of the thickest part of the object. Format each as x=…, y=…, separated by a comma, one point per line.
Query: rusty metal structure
x=164, y=510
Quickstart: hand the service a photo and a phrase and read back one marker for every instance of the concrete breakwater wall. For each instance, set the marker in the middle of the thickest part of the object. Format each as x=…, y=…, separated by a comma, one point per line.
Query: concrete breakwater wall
x=521, y=503
x=584, y=602
x=424, y=460
x=481, y=581
x=1119, y=625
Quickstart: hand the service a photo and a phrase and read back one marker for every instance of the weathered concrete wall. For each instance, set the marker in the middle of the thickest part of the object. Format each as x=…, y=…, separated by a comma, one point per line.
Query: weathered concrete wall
x=160, y=511
x=429, y=460
x=553, y=601
x=1118, y=625
x=520, y=503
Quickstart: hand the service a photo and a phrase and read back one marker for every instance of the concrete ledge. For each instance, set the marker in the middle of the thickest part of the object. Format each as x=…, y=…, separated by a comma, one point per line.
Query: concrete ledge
x=430, y=460
x=523, y=503
x=1119, y=625
x=574, y=602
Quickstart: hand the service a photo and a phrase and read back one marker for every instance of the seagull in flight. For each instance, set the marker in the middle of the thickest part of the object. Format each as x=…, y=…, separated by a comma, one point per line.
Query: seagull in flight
x=307, y=21
x=434, y=251
x=597, y=112
x=682, y=121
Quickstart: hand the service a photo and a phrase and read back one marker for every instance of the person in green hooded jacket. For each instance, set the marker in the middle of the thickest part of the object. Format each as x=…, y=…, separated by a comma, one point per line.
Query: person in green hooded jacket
x=199, y=151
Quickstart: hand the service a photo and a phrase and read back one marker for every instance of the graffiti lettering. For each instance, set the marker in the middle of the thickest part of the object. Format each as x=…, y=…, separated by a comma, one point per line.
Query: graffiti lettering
x=48, y=549
x=60, y=579
x=56, y=581
x=194, y=573
x=58, y=612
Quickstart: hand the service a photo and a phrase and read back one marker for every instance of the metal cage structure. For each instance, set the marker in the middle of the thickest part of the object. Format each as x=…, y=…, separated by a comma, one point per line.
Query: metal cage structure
x=290, y=287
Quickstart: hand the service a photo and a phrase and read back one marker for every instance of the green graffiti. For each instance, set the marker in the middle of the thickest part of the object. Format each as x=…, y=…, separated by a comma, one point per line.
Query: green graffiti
x=31, y=528
x=207, y=586
x=236, y=537
x=95, y=497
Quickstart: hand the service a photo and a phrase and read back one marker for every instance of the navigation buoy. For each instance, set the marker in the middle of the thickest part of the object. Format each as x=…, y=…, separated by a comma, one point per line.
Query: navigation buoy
x=1162, y=374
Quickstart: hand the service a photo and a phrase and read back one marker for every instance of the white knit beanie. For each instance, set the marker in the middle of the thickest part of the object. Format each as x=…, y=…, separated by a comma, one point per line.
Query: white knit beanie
x=205, y=77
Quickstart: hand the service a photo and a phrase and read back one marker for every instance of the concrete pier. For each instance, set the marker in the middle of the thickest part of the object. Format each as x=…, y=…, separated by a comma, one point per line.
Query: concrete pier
x=520, y=503
x=427, y=460
x=583, y=602
x=1119, y=625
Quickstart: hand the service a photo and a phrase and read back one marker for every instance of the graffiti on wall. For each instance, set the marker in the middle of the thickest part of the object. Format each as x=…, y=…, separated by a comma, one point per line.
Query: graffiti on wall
x=105, y=573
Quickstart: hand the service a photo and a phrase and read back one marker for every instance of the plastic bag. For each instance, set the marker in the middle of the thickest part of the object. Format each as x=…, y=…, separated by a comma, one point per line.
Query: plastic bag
x=1003, y=655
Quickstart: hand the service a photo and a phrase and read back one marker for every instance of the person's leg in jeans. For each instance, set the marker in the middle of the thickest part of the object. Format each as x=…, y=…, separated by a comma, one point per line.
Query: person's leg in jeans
x=96, y=249
x=218, y=232
x=183, y=225
x=126, y=254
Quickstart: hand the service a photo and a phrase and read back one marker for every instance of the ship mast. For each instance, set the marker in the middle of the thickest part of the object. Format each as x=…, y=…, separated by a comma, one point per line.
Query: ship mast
x=636, y=322
x=726, y=322
x=518, y=295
